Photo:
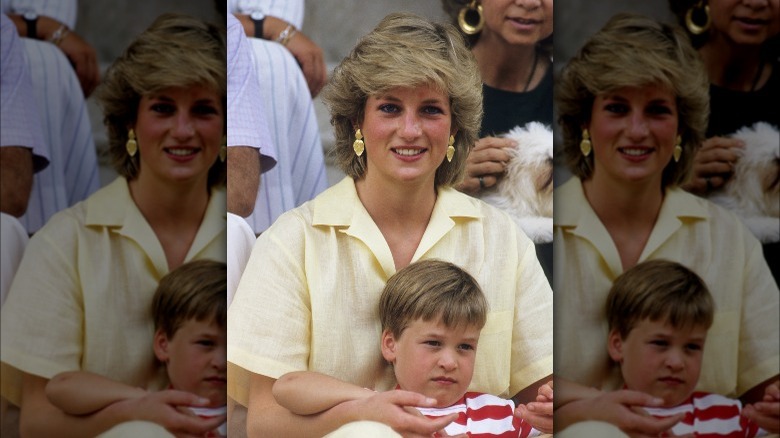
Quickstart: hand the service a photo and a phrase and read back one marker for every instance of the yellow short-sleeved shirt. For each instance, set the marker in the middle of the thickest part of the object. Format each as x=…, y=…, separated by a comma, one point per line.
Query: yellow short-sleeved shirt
x=308, y=299
x=742, y=346
x=81, y=299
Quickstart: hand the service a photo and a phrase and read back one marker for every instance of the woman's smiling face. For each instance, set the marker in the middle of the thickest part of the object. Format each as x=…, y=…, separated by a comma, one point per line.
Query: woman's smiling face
x=633, y=132
x=406, y=132
x=178, y=132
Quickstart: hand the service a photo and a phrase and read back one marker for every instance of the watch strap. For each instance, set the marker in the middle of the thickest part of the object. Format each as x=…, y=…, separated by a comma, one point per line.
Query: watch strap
x=32, y=26
x=258, y=27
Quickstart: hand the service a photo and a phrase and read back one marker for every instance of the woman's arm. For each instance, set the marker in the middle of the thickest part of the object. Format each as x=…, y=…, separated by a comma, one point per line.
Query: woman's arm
x=622, y=408
x=762, y=405
x=265, y=417
x=82, y=392
x=38, y=417
x=309, y=392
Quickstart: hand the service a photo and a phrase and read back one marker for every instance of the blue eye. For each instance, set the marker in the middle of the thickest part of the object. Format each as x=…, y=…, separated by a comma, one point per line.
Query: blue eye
x=163, y=108
x=659, y=343
x=659, y=109
x=433, y=343
x=693, y=347
x=466, y=347
x=389, y=108
x=432, y=110
x=204, y=110
x=616, y=108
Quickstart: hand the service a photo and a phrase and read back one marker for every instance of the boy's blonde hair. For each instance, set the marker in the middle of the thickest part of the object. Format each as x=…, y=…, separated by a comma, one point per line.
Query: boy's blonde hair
x=196, y=290
x=659, y=290
x=431, y=289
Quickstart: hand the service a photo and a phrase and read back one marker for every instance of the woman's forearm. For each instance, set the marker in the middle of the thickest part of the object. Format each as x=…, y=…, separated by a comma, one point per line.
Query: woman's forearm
x=82, y=392
x=309, y=392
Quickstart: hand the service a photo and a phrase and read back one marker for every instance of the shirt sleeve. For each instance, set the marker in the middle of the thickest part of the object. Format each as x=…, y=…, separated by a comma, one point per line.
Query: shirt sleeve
x=19, y=115
x=246, y=124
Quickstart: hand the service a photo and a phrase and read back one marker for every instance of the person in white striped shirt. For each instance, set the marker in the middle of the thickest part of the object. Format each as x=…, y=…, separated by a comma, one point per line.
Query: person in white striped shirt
x=432, y=313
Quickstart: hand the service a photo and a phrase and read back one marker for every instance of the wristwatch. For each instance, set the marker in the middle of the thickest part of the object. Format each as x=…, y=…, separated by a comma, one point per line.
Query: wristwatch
x=258, y=18
x=31, y=18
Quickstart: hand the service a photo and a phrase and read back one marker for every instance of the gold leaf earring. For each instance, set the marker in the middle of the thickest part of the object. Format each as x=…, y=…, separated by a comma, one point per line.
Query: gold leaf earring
x=131, y=146
x=223, y=149
x=678, y=149
x=451, y=149
x=358, y=146
x=585, y=145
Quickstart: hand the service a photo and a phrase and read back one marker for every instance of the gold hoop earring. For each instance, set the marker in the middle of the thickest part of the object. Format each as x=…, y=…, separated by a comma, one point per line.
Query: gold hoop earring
x=585, y=144
x=698, y=9
x=451, y=149
x=358, y=146
x=223, y=149
x=467, y=16
x=678, y=149
x=131, y=146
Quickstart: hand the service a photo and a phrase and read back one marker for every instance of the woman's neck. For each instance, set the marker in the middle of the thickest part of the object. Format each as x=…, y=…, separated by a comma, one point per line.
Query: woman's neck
x=164, y=204
x=396, y=205
x=739, y=68
x=508, y=67
x=618, y=203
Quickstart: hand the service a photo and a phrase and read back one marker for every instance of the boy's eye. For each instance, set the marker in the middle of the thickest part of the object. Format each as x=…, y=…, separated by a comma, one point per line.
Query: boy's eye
x=659, y=343
x=433, y=343
x=466, y=347
x=693, y=347
x=205, y=342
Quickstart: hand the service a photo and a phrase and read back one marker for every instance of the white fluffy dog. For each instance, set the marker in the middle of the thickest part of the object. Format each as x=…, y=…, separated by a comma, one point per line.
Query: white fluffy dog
x=526, y=190
x=753, y=191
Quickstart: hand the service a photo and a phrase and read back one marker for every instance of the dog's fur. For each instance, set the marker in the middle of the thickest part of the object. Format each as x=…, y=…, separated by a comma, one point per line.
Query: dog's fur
x=526, y=190
x=753, y=191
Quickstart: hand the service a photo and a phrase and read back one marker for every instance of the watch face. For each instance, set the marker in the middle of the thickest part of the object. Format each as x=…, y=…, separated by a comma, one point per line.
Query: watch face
x=257, y=15
x=30, y=15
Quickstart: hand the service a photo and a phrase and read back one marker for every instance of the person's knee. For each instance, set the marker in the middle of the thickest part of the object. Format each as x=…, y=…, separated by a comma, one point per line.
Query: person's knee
x=134, y=429
x=591, y=428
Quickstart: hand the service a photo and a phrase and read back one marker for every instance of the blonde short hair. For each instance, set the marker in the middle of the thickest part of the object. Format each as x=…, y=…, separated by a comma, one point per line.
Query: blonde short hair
x=430, y=289
x=175, y=51
x=406, y=50
x=196, y=290
x=634, y=51
x=659, y=290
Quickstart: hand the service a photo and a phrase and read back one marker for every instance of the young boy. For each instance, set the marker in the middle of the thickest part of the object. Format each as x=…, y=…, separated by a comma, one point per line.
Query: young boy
x=189, y=309
x=432, y=313
x=659, y=313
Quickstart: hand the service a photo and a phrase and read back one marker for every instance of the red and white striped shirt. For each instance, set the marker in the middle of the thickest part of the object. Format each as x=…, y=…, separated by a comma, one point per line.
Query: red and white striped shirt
x=483, y=415
x=710, y=416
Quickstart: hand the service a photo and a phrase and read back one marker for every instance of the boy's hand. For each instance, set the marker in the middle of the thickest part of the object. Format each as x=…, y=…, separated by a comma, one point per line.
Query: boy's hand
x=766, y=413
x=168, y=409
x=621, y=408
x=397, y=409
x=539, y=414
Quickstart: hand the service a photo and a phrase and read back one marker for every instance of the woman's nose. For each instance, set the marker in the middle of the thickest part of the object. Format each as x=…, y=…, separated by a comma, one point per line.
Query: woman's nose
x=410, y=126
x=183, y=126
x=637, y=128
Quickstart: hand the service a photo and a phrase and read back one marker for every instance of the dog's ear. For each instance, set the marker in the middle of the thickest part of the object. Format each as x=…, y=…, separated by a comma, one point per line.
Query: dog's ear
x=544, y=178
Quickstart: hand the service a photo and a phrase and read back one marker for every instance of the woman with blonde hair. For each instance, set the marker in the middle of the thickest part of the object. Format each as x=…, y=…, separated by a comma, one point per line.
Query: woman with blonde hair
x=633, y=106
x=406, y=107
x=81, y=297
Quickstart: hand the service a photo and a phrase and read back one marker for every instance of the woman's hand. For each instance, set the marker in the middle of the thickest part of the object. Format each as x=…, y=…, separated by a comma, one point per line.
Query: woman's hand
x=397, y=409
x=621, y=408
x=486, y=161
x=539, y=413
x=169, y=409
x=714, y=164
x=766, y=413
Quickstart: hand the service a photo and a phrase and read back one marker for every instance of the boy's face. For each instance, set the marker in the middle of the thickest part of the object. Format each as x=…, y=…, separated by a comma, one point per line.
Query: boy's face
x=659, y=359
x=195, y=359
x=432, y=359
